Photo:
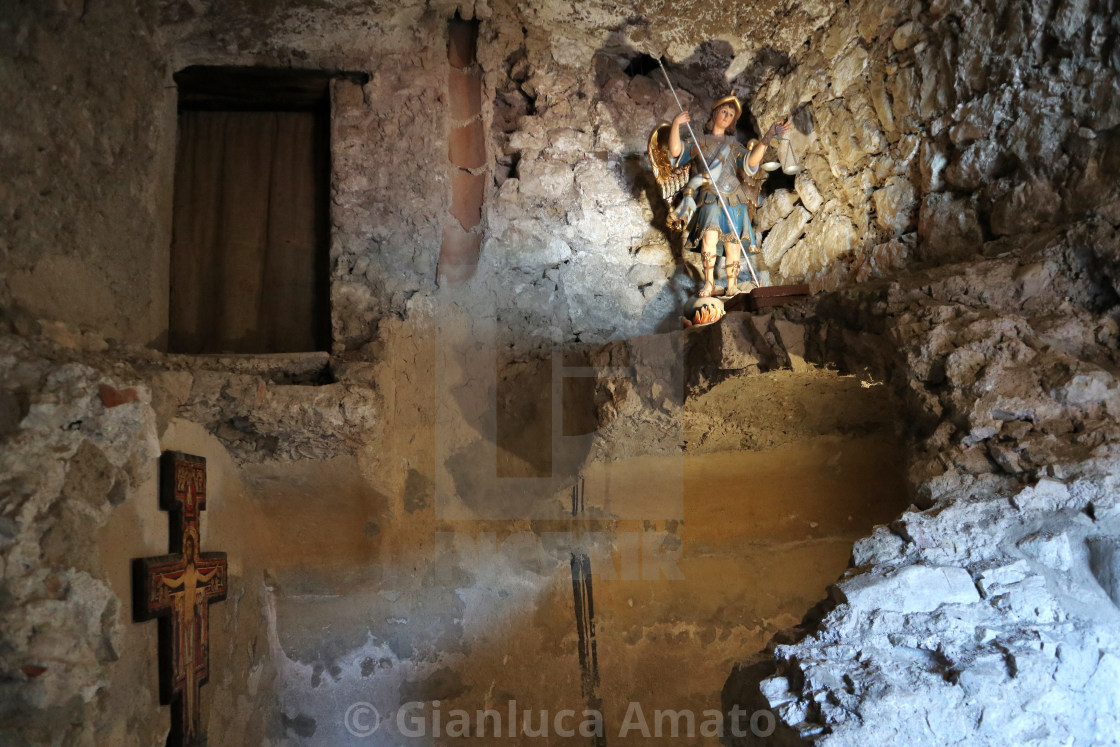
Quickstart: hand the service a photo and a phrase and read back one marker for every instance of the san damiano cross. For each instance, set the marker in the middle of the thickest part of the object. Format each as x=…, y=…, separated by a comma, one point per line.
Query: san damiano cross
x=178, y=589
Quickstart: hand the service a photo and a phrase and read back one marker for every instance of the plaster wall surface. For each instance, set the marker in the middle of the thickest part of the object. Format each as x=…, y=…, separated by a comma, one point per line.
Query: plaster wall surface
x=349, y=587
x=88, y=151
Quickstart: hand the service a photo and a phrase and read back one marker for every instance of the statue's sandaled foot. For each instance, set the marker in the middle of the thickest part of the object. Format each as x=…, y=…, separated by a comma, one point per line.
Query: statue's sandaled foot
x=732, y=289
x=707, y=290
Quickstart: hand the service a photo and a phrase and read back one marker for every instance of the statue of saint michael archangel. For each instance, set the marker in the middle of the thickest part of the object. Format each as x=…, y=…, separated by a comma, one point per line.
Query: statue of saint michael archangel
x=719, y=182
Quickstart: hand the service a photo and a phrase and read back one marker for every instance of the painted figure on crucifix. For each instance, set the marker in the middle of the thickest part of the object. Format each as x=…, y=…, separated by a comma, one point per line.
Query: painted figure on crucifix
x=187, y=591
x=179, y=588
x=720, y=182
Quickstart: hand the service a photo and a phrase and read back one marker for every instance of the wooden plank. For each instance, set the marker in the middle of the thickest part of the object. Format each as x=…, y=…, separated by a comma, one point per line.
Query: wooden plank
x=761, y=298
x=780, y=290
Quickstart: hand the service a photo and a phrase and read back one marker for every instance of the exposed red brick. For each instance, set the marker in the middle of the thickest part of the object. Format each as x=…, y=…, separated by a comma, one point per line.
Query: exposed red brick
x=466, y=197
x=464, y=93
x=467, y=147
x=462, y=38
x=111, y=397
x=31, y=670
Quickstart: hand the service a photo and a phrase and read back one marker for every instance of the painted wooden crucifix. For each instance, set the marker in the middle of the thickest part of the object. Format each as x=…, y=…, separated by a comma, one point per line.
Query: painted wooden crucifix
x=178, y=589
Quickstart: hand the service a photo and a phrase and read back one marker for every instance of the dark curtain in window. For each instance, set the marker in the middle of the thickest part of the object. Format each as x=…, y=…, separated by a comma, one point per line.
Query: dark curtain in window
x=248, y=259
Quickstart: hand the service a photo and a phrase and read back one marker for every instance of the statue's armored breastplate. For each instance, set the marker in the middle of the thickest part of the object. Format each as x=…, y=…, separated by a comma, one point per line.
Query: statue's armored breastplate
x=728, y=181
x=728, y=178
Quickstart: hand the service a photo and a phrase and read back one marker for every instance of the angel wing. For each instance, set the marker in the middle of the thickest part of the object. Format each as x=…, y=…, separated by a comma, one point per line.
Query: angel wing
x=670, y=178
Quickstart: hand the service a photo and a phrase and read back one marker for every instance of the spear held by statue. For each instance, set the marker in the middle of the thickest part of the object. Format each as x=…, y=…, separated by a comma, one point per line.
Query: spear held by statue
x=725, y=176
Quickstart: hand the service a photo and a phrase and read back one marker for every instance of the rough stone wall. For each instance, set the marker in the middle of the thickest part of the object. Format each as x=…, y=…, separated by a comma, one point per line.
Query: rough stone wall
x=907, y=157
x=80, y=434
x=560, y=217
x=299, y=473
x=927, y=129
x=985, y=614
x=924, y=130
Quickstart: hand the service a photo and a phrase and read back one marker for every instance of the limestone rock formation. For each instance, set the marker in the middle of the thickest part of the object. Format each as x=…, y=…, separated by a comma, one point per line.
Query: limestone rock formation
x=998, y=579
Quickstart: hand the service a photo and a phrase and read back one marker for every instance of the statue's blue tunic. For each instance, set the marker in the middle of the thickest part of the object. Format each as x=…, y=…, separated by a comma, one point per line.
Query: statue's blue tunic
x=737, y=182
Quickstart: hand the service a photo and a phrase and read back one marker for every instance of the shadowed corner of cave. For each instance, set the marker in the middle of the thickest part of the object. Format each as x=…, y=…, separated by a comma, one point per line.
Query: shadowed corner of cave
x=623, y=70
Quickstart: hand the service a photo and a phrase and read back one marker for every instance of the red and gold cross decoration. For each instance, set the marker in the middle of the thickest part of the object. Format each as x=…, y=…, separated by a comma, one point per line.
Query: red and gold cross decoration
x=178, y=588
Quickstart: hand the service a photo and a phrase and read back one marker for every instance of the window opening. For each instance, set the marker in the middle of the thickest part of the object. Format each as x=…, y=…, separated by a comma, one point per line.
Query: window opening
x=249, y=255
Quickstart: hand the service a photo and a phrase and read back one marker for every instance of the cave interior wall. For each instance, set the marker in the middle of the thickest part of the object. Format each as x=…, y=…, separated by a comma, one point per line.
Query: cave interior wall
x=934, y=138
